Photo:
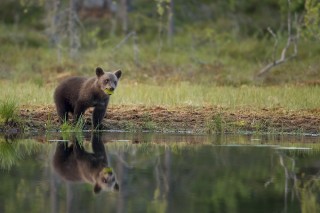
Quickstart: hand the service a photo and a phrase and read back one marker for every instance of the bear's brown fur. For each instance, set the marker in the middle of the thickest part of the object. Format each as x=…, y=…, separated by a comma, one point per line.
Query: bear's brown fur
x=73, y=163
x=77, y=94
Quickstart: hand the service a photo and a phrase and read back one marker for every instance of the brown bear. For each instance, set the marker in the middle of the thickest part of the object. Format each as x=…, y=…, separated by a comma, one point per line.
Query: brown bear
x=73, y=163
x=77, y=94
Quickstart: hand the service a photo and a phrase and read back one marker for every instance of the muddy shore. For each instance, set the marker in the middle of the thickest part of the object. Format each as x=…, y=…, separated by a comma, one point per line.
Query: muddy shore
x=207, y=119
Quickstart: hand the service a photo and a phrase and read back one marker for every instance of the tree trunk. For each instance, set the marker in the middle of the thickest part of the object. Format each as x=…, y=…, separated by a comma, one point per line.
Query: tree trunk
x=123, y=15
x=74, y=40
x=53, y=23
x=170, y=22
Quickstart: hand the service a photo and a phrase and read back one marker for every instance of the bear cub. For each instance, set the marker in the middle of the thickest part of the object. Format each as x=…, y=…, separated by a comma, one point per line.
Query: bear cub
x=77, y=94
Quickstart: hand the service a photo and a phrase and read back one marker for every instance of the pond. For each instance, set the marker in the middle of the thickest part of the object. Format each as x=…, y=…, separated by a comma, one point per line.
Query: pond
x=126, y=172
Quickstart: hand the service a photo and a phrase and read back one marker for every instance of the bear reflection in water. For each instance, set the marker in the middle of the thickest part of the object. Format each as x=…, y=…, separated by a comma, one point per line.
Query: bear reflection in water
x=73, y=163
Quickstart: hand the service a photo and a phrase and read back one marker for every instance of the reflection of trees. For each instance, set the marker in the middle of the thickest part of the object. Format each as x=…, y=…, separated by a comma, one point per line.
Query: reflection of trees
x=162, y=174
x=302, y=181
x=290, y=177
x=309, y=194
x=203, y=178
x=168, y=178
x=22, y=171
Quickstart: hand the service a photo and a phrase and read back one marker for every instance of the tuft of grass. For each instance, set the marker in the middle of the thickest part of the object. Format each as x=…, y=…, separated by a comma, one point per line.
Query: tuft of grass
x=8, y=110
x=80, y=124
x=77, y=127
x=66, y=127
x=130, y=126
x=149, y=125
x=216, y=124
x=49, y=123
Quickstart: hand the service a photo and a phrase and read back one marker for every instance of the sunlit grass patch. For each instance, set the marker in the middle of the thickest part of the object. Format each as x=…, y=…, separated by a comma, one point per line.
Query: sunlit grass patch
x=186, y=94
x=27, y=93
x=289, y=97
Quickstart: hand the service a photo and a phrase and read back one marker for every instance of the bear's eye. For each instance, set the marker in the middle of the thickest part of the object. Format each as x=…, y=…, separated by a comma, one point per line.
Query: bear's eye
x=106, y=81
x=115, y=83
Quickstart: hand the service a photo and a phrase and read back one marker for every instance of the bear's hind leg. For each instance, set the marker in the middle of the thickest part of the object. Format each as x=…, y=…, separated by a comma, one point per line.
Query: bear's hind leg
x=79, y=111
x=62, y=113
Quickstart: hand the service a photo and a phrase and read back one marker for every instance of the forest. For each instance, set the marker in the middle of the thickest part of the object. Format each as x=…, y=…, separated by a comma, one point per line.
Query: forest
x=218, y=42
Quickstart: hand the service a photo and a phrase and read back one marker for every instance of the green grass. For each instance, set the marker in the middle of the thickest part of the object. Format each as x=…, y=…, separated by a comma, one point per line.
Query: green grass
x=215, y=124
x=77, y=127
x=27, y=93
x=182, y=94
x=8, y=110
x=186, y=94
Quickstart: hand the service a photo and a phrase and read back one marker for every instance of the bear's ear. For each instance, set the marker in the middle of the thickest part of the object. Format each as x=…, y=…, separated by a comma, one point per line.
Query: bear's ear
x=96, y=188
x=99, y=71
x=118, y=73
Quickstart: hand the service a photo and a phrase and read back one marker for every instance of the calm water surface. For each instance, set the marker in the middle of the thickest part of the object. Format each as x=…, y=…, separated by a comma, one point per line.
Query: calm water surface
x=122, y=172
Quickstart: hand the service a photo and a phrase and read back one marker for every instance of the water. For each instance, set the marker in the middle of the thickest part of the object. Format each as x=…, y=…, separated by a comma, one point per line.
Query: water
x=159, y=173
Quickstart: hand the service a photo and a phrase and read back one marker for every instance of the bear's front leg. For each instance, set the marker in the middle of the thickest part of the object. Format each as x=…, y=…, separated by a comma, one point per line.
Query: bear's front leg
x=98, y=115
x=98, y=147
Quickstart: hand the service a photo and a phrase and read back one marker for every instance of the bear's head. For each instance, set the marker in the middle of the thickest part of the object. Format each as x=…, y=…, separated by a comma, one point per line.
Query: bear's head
x=106, y=181
x=107, y=81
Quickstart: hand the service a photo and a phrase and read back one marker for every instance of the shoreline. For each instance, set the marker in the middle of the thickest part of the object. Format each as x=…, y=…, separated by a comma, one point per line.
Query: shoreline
x=184, y=119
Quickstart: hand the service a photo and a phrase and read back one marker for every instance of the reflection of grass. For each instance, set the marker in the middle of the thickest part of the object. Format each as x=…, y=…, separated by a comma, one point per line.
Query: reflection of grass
x=8, y=155
x=13, y=152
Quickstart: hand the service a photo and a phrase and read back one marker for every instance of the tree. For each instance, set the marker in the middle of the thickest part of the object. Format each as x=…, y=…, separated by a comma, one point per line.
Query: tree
x=312, y=19
x=292, y=40
x=170, y=21
x=123, y=15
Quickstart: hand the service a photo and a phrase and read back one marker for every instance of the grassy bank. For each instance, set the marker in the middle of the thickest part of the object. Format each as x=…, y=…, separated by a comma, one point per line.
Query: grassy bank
x=185, y=107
